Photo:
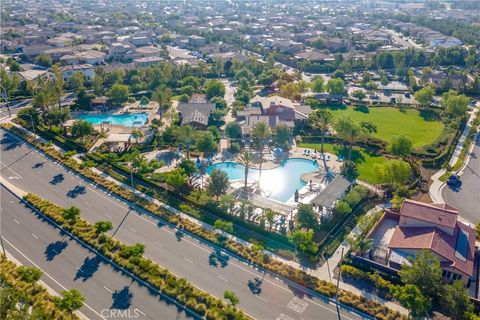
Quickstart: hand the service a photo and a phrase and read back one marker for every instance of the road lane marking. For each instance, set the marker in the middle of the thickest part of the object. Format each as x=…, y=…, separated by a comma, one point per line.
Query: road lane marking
x=107, y=289
x=143, y=313
x=131, y=229
x=263, y=299
x=220, y=277
x=188, y=260
x=16, y=221
x=34, y=235
x=14, y=172
x=158, y=244
x=53, y=279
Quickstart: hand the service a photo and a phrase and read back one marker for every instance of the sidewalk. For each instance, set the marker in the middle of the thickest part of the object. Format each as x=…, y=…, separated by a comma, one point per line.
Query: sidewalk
x=435, y=189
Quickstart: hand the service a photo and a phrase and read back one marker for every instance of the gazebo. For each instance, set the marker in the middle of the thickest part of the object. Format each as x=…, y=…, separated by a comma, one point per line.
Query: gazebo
x=118, y=141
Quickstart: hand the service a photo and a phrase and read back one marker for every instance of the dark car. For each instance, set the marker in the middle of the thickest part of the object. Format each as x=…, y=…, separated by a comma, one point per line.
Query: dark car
x=407, y=94
x=453, y=180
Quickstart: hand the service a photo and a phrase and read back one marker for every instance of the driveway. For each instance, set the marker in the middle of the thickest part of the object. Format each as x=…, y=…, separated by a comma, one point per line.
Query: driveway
x=466, y=195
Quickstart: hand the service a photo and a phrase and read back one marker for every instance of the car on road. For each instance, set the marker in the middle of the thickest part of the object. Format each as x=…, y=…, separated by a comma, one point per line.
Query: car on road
x=453, y=180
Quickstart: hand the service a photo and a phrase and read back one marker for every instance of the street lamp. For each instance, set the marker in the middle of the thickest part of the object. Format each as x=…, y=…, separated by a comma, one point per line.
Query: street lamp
x=31, y=118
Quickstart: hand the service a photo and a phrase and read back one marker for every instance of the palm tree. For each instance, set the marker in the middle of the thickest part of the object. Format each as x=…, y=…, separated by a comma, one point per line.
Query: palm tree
x=162, y=96
x=246, y=159
x=269, y=215
x=186, y=136
x=360, y=244
x=260, y=132
x=349, y=131
x=137, y=134
x=322, y=120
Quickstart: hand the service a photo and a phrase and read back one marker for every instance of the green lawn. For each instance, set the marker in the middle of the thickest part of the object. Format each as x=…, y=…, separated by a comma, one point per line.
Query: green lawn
x=364, y=160
x=420, y=127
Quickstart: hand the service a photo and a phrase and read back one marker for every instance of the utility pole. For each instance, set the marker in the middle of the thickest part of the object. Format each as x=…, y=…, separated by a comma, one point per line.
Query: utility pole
x=338, y=284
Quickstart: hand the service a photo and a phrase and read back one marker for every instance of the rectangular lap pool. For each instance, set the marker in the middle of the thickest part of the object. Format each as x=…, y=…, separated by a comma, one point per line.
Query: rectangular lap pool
x=133, y=119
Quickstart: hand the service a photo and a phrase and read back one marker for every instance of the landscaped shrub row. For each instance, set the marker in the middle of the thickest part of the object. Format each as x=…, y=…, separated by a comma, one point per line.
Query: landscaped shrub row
x=36, y=296
x=381, y=285
x=248, y=253
x=172, y=286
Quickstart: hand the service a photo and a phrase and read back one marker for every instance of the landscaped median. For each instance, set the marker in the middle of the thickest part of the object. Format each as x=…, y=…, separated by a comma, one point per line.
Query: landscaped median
x=32, y=294
x=248, y=253
x=130, y=258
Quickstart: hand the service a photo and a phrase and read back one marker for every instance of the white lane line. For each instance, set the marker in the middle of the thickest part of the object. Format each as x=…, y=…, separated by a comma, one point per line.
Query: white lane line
x=220, y=277
x=14, y=172
x=45, y=273
x=263, y=299
x=131, y=229
x=143, y=313
x=158, y=244
x=35, y=236
x=16, y=221
x=107, y=289
x=188, y=260
x=108, y=216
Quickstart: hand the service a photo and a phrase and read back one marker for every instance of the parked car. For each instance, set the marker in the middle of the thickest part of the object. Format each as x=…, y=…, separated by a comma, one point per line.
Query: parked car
x=407, y=94
x=453, y=180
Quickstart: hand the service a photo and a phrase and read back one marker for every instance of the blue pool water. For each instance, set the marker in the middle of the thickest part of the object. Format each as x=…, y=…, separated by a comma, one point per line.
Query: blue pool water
x=134, y=119
x=279, y=183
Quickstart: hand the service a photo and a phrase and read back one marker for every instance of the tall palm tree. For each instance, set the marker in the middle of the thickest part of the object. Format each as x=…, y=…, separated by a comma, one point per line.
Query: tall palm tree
x=360, y=244
x=260, y=132
x=322, y=120
x=162, y=96
x=349, y=131
x=269, y=215
x=246, y=159
x=186, y=136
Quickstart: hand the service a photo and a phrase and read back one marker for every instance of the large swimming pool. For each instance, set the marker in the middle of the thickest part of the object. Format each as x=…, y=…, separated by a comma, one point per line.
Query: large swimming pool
x=133, y=119
x=279, y=183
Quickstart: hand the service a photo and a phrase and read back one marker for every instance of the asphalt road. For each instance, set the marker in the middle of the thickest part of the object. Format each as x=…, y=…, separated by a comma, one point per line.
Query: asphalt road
x=187, y=257
x=66, y=264
x=466, y=195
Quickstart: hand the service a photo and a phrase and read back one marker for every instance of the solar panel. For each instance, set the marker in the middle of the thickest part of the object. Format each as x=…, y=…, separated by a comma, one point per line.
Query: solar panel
x=461, y=248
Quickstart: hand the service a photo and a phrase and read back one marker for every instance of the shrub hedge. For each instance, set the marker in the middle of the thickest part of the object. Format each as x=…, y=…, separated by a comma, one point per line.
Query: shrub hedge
x=246, y=252
x=36, y=295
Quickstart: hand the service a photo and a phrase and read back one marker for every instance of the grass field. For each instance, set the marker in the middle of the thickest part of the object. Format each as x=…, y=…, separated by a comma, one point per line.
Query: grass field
x=420, y=127
x=364, y=160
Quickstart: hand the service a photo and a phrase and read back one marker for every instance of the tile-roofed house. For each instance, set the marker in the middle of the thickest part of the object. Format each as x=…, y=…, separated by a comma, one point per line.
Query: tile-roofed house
x=314, y=55
x=195, y=114
x=434, y=227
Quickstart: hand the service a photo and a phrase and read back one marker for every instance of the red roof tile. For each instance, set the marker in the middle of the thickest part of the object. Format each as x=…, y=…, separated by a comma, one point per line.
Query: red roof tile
x=441, y=215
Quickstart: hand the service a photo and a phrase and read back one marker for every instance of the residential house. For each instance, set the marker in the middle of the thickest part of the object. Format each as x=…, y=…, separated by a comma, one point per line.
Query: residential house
x=196, y=115
x=87, y=69
x=314, y=56
x=436, y=228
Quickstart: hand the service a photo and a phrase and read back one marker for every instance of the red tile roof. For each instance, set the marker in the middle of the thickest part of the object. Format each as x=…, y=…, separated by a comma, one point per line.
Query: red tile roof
x=439, y=242
x=441, y=215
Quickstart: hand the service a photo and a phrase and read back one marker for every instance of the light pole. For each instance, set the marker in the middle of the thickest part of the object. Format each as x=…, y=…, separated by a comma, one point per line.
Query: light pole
x=31, y=119
x=338, y=284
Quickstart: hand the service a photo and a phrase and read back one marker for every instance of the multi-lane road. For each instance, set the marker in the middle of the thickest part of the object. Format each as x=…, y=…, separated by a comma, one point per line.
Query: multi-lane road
x=66, y=264
x=187, y=257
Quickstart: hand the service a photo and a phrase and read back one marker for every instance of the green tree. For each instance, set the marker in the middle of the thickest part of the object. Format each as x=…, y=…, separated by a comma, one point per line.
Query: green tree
x=303, y=241
x=342, y=208
x=322, y=120
x=360, y=244
x=424, y=272
x=223, y=225
x=27, y=115
x=220, y=103
x=269, y=215
x=412, y=299
x=137, y=134
x=56, y=116
x=349, y=131
x=144, y=101
x=400, y=146
x=214, y=88
x=307, y=217
x=206, y=143
x=260, y=133
x=349, y=170
x=218, y=183
x=118, y=94
x=176, y=178
x=335, y=86
x=77, y=82
x=97, y=85
x=71, y=213
x=233, y=130
x=81, y=129
x=232, y=297
x=456, y=302
x=70, y=300
x=359, y=94
x=186, y=136
x=103, y=226
x=189, y=167
x=282, y=136
x=454, y=103
x=44, y=60
x=30, y=274
x=246, y=158
x=393, y=173
x=317, y=84
x=425, y=95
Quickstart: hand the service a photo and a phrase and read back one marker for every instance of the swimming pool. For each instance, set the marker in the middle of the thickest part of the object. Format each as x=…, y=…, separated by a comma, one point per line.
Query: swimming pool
x=133, y=119
x=279, y=183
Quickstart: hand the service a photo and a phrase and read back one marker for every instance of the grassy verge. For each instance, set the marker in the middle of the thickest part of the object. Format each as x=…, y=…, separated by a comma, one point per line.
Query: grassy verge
x=247, y=253
x=33, y=294
x=364, y=160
